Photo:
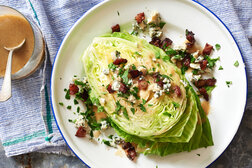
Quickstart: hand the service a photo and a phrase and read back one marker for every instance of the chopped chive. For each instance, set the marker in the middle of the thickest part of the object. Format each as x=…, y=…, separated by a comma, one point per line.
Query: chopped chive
x=229, y=83
x=100, y=109
x=142, y=107
x=137, y=53
x=106, y=142
x=161, y=24
x=76, y=102
x=60, y=103
x=132, y=110
x=144, y=101
x=167, y=114
x=118, y=13
x=67, y=96
x=125, y=113
x=198, y=154
x=78, y=109
x=236, y=64
x=176, y=105
x=150, y=105
x=65, y=89
x=217, y=46
x=220, y=68
x=69, y=107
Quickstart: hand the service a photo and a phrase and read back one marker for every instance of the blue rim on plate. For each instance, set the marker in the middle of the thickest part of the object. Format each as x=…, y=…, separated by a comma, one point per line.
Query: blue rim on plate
x=100, y=4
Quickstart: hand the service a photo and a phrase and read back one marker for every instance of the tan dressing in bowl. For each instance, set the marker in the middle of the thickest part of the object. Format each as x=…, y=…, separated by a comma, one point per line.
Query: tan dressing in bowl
x=14, y=29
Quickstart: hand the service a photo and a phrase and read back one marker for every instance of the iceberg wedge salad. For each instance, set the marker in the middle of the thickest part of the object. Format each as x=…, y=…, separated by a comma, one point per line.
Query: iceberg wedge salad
x=142, y=95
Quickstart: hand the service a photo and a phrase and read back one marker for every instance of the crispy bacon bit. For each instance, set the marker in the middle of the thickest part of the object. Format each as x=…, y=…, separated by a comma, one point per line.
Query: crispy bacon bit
x=155, y=41
x=81, y=132
x=115, y=28
x=109, y=88
x=129, y=150
x=135, y=73
x=131, y=153
x=200, y=83
x=186, y=61
x=160, y=83
x=142, y=84
x=165, y=43
x=140, y=17
x=84, y=95
x=203, y=64
x=156, y=75
x=73, y=89
x=177, y=90
x=126, y=145
x=205, y=82
x=119, y=61
x=189, y=45
x=210, y=82
x=204, y=93
x=207, y=50
x=190, y=38
x=123, y=88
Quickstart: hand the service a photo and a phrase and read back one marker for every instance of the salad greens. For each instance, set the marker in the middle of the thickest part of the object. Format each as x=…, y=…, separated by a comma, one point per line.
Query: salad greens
x=160, y=124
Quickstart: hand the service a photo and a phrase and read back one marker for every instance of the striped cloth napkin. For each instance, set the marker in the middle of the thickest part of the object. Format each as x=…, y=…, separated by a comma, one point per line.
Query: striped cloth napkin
x=26, y=120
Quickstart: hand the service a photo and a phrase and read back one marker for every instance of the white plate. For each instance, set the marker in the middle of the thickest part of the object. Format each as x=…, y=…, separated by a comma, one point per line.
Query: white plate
x=227, y=104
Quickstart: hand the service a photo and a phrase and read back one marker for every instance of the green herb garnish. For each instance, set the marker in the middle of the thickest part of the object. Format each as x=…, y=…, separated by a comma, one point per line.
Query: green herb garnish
x=236, y=64
x=132, y=110
x=100, y=109
x=229, y=83
x=211, y=61
x=76, y=102
x=220, y=68
x=176, y=105
x=67, y=96
x=125, y=77
x=60, y=103
x=217, y=46
x=171, y=52
x=125, y=113
x=142, y=107
x=69, y=107
x=167, y=114
x=112, y=66
x=161, y=24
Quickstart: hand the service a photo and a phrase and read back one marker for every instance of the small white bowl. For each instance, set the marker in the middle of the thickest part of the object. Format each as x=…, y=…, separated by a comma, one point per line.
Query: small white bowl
x=38, y=53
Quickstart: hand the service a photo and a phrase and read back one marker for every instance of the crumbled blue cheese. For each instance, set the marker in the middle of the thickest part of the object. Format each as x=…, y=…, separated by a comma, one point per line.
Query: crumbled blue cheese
x=102, y=101
x=113, y=54
x=132, y=99
x=180, y=47
x=195, y=66
x=114, y=141
x=80, y=121
x=105, y=71
x=116, y=85
x=195, y=54
x=157, y=94
x=142, y=25
x=155, y=32
x=154, y=18
x=199, y=58
x=104, y=124
x=141, y=78
x=130, y=82
x=142, y=69
x=193, y=77
x=183, y=82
